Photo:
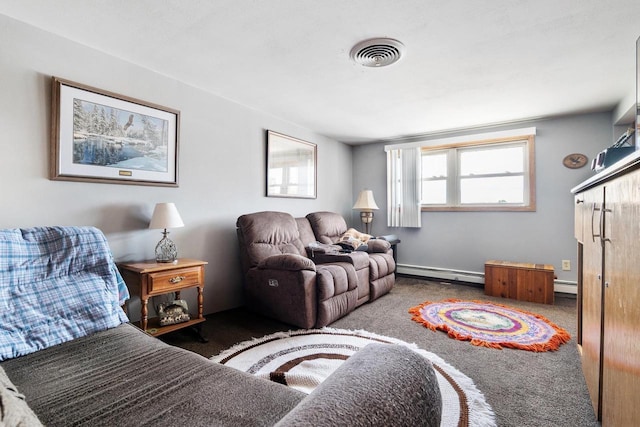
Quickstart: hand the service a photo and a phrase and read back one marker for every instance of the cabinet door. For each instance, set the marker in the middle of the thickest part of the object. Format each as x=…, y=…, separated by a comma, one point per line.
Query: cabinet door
x=621, y=350
x=591, y=322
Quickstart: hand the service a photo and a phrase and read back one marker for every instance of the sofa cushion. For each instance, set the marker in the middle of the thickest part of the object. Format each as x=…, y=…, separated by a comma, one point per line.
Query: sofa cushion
x=327, y=226
x=124, y=377
x=58, y=284
x=335, y=279
x=336, y=285
x=268, y=233
x=380, y=265
x=14, y=411
x=306, y=233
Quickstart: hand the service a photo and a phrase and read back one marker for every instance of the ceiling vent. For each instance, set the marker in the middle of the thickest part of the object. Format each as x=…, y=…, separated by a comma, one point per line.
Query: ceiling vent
x=378, y=52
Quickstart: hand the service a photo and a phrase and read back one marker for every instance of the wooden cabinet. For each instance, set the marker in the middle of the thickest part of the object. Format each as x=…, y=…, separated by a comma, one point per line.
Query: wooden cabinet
x=520, y=281
x=149, y=278
x=621, y=364
x=590, y=293
x=609, y=296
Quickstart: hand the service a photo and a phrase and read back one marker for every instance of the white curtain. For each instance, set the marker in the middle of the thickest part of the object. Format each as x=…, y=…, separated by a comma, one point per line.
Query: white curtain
x=403, y=187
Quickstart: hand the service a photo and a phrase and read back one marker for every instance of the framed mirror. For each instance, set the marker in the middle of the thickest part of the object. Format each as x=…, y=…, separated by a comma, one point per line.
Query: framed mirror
x=291, y=167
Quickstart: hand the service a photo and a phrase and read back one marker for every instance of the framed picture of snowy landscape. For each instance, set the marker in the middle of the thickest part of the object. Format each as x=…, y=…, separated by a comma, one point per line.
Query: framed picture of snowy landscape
x=99, y=136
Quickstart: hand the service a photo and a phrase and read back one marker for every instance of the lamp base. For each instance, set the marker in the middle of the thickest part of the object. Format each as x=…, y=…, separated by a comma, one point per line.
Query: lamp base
x=367, y=218
x=166, y=250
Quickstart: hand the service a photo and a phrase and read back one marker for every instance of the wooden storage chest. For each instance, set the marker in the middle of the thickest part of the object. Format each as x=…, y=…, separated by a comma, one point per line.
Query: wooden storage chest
x=520, y=281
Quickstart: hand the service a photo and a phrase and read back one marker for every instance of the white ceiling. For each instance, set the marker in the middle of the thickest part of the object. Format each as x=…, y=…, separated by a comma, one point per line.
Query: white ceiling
x=467, y=63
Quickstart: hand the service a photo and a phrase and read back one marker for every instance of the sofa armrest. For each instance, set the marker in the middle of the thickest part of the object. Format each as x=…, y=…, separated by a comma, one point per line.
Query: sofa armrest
x=382, y=384
x=290, y=262
x=378, y=246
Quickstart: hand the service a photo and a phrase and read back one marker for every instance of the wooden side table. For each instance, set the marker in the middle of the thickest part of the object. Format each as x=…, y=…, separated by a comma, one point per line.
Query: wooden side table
x=393, y=239
x=150, y=278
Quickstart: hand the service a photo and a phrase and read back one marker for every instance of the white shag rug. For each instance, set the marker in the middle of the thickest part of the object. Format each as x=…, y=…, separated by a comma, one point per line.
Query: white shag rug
x=302, y=359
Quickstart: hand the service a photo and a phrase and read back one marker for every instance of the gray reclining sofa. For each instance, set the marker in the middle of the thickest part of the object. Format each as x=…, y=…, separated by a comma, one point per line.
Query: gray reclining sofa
x=295, y=271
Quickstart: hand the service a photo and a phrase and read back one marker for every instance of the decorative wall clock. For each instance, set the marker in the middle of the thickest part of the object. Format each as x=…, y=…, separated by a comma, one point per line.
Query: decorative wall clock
x=574, y=161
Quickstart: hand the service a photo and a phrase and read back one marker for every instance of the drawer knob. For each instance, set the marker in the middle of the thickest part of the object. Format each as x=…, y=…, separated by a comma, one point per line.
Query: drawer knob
x=177, y=279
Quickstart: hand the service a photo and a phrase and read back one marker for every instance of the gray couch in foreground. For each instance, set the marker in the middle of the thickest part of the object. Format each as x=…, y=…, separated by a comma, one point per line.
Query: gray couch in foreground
x=64, y=362
x=124, y=377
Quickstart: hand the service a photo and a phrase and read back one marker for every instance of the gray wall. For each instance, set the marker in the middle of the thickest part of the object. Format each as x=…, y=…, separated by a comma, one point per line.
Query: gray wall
x=222, y=161
x=222, y=174
x=465, y=240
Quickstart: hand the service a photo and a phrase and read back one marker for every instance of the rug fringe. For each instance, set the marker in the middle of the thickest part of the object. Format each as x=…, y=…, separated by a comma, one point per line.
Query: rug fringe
x=560, y=337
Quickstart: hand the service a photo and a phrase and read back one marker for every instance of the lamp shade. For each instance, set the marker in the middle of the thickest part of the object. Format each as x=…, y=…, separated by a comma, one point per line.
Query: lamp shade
x=165, y=215
x=365, y=201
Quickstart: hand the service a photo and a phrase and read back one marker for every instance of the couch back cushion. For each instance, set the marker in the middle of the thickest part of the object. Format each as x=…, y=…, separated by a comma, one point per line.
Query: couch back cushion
x=328, y=227
x=56, y=284
x=306, y=232
x=263, y=234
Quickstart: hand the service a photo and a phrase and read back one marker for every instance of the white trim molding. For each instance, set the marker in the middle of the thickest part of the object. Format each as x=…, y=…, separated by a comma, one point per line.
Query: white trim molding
x=462, y=138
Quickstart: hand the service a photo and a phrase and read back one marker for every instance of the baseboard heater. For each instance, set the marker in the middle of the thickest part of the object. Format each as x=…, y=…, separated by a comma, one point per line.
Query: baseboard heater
x=562, y=286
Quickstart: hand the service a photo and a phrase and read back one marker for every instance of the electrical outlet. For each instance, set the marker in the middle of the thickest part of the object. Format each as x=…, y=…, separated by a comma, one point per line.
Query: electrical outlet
x=566, y=265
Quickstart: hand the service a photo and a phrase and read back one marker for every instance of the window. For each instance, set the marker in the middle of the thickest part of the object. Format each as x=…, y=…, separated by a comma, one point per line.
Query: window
x=496, y=175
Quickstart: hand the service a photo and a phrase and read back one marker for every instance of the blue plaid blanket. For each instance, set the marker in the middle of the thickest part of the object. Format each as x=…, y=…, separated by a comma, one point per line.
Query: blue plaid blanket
x=56, y=284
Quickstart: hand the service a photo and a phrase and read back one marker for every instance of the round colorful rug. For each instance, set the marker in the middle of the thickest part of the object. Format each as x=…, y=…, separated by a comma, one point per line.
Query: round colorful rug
x=303, y=359
x=491, y=325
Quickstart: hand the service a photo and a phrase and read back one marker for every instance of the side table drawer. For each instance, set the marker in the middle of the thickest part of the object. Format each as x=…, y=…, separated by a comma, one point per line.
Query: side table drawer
x=168, y=281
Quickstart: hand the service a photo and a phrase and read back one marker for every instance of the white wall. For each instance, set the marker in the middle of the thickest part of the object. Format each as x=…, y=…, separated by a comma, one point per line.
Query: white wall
x=465, y=240
x=222, y=160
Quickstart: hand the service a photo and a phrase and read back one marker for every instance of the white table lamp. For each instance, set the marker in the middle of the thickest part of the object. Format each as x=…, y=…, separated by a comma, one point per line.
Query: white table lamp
x=366, y=205
x=165, y=215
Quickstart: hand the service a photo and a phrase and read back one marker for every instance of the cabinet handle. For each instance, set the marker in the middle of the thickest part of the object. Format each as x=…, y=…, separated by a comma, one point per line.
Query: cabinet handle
x=593, y=214
x=578, y=201
x=603, y=239
x=177, y=279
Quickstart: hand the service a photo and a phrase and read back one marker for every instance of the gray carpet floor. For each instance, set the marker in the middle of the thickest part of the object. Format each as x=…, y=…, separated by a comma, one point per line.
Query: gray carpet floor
x=524, y=388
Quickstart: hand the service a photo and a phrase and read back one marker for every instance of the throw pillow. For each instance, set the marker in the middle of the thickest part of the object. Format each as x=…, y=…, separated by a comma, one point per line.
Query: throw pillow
x=354, y=240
